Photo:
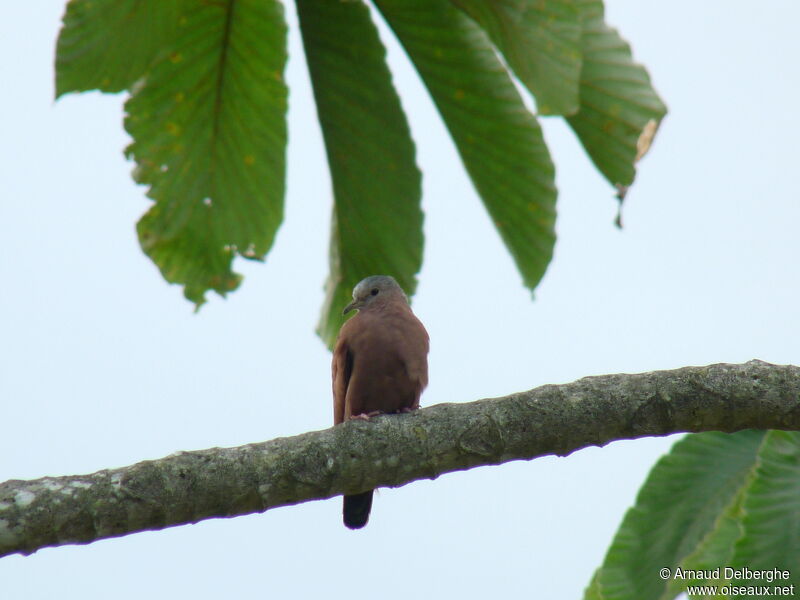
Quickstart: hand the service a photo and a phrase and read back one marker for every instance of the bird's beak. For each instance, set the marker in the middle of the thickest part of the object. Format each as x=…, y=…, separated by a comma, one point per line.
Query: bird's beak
x=353, y=305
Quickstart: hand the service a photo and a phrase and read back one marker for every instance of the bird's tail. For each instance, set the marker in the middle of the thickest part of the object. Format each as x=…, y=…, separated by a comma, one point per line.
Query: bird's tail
x=355, y=511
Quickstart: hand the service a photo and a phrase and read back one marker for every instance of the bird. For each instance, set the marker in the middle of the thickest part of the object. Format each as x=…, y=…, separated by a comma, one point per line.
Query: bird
x=380, y=365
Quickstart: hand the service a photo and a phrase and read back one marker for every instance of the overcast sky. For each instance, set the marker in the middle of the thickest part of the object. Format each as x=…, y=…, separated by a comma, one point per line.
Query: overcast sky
x=104, y=364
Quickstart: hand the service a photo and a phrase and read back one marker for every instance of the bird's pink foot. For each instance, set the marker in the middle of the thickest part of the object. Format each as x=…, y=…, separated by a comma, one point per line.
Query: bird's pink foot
x=365, y=416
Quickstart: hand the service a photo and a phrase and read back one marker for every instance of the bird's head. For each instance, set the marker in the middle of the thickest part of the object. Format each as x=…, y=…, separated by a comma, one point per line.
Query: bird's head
x=375, y=290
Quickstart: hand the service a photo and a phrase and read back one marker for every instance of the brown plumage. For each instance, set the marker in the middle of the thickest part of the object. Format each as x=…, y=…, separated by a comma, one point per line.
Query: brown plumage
x=380, y=365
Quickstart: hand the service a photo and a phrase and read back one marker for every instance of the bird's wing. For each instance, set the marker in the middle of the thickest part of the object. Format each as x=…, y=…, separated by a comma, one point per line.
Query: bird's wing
x=415, y=345
x=341, y=369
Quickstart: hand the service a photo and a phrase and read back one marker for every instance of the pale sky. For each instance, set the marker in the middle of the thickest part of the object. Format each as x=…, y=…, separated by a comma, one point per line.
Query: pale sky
x=104, y=364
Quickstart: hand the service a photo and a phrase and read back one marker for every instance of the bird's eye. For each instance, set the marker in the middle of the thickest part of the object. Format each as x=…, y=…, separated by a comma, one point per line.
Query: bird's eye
x=374, y=291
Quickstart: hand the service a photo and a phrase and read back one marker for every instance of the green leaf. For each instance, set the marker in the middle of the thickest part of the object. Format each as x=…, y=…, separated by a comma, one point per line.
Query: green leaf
x=677, y=507
x=593, y=591
x=716, y=549
x=108, y=44
x=209, y=128
x=498, y=139
x=771, y=520
x=540, y=41
x=617, y=99
x=376, y=227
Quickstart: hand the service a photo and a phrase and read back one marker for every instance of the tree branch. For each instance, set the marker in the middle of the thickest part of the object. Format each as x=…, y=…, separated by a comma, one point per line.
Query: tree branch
x=394, y=450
